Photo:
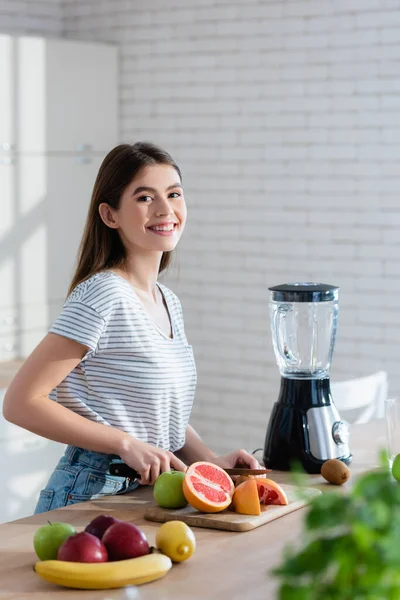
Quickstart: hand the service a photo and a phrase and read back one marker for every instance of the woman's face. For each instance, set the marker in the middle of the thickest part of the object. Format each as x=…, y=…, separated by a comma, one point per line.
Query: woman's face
x=152, y=210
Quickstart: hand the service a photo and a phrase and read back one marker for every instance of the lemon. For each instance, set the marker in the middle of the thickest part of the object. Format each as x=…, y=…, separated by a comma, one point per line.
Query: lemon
x=396, y=468
x=176, y=540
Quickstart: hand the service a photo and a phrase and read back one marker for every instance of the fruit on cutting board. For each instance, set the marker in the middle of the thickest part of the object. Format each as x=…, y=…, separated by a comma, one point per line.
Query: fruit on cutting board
x=270, y=492
x=176, y=540
x=245, y=499
x=167, y=490
x=207, y=487
x=82, y=547
x=335, y=471
x=48, y=538
x=124, y=540
x=102, y=576
x=252, y=493
x=99, y=525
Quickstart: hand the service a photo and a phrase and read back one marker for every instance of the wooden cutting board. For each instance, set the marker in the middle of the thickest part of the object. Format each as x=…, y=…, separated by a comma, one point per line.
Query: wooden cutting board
x=231, y=521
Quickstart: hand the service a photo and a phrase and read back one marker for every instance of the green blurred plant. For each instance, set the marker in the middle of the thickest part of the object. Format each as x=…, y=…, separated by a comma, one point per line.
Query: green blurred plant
x=351, y=546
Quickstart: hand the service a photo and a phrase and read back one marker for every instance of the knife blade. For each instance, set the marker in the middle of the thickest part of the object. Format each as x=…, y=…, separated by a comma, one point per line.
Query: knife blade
x=123, y=470
x=245, y=471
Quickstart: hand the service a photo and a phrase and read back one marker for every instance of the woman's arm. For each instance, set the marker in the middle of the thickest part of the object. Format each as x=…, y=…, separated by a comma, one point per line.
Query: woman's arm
x=27, y=404
x=195, y=450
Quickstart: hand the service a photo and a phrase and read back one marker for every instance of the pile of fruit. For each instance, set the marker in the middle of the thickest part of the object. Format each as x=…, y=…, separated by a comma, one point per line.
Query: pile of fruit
x=109, y=553
x=208, y=488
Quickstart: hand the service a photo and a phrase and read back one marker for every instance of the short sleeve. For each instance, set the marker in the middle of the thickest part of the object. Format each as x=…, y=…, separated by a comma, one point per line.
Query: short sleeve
x=81, y=323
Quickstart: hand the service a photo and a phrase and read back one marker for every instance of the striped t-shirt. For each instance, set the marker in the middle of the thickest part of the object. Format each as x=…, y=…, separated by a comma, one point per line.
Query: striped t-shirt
x=133, y=377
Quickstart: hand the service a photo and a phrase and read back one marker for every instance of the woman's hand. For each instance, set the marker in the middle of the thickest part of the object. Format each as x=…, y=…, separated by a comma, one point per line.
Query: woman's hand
x=149, y=461
x=238, y=458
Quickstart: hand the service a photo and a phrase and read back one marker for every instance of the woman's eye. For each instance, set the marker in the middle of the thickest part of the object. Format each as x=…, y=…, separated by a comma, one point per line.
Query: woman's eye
x=174, y=195
x=145, y=199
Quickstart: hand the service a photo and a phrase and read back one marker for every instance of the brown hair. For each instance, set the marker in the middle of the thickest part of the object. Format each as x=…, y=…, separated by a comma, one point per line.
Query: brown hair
x=101, y=247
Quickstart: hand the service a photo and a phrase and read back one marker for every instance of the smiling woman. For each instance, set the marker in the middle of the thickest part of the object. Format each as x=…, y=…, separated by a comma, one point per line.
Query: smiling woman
x=115, y=377
x=125, y=198
x=145, y=213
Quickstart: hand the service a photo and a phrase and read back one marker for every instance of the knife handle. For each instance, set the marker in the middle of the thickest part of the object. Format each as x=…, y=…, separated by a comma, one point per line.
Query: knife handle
x=123, y=470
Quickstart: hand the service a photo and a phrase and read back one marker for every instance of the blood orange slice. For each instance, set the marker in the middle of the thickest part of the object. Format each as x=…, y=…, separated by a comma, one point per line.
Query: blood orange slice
x=270, y=492
x=207, y=487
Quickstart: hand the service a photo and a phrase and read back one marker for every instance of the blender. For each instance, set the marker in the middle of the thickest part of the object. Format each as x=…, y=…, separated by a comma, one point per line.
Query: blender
x=305, y=425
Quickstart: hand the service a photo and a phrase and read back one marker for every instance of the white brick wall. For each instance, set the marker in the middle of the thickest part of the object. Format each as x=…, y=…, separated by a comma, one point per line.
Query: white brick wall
x=42, y=17
x=285, y=119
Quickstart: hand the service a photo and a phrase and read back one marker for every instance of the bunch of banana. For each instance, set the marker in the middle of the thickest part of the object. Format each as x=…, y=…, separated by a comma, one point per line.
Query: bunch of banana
x=102, y=576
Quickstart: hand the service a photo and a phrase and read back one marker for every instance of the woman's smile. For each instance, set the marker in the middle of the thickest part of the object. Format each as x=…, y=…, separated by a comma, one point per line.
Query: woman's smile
x=167, y=228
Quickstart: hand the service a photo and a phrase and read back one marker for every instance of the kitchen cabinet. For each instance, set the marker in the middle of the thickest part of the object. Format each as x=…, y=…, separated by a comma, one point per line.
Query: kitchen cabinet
x=72, y=86
x=7, y=93
x=57, y=95
x=70, y=180
x=58, y=119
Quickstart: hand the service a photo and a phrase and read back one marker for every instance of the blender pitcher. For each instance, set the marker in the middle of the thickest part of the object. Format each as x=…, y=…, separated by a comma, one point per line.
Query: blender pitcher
x=305, y=424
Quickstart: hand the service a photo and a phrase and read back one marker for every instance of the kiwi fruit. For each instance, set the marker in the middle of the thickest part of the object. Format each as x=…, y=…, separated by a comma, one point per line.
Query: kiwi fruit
x=335, y=471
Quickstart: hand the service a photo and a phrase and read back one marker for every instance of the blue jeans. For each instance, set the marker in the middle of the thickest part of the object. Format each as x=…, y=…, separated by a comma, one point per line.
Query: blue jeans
x=81, y=475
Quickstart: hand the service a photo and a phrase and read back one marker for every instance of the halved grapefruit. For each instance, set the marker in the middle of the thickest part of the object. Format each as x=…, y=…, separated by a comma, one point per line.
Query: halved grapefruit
x=207, y=487
x=245, y=499
x=270, y=492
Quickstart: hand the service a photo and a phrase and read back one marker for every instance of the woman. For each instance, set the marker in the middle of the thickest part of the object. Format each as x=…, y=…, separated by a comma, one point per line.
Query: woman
x=116, y=361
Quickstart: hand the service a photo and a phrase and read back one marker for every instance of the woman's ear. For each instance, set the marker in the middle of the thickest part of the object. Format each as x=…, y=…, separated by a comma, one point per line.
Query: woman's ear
x=107, y=215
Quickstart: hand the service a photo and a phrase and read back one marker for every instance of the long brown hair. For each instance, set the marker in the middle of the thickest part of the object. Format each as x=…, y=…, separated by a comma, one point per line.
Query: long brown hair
x=101, y=247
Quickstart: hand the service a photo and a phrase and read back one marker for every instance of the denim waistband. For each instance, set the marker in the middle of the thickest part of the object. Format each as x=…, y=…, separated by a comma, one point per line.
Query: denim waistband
x=96, y=460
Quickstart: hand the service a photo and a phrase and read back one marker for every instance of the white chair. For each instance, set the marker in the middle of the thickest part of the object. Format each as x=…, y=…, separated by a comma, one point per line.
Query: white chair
x=363, y=399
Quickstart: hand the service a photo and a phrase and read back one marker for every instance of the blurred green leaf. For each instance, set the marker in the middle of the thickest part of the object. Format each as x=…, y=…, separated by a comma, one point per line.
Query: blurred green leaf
x=328, y=510
x=290, y=592
x=351, y=544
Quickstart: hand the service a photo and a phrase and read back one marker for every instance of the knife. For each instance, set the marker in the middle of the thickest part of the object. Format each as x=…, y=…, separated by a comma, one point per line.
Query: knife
x=123, y=470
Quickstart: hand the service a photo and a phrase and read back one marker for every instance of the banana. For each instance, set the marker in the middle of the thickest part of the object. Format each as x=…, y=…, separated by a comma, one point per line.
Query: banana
x=103, y=576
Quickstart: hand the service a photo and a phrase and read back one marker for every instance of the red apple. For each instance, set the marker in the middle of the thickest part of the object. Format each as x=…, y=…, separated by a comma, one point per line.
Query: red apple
x=125, y=540
x=100, y=524
x=83, y=547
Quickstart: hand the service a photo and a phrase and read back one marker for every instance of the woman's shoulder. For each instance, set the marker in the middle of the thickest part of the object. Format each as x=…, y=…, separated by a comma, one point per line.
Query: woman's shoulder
x=171, y=298
x=104, y=286
x=168, y=293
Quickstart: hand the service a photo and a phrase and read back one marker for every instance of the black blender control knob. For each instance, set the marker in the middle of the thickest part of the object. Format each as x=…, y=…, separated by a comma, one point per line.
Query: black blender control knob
x=340, y=432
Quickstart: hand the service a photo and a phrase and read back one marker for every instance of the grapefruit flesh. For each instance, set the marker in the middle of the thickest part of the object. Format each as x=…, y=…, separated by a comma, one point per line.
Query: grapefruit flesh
x=245, y=499
x=207, y=487
x=270, y=492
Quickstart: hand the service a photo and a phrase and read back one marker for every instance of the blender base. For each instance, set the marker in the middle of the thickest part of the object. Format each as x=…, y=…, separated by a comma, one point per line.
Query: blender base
x=287, y=440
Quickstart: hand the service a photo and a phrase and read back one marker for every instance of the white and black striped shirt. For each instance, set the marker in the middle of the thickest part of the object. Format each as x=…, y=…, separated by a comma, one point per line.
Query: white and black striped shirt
x=133, y=377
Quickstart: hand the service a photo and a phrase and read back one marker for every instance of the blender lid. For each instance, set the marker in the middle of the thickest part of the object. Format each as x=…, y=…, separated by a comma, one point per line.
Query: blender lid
x=304, y=292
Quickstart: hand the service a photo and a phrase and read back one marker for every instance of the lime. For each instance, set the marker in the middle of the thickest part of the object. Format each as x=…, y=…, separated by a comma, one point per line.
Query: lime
x=168, y=491
x=176, y=540
x=396, y=468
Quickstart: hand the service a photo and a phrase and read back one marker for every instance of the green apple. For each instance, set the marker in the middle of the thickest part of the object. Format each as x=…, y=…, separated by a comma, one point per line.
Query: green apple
x=48, y=538
x=396, y=468
x=168, y=491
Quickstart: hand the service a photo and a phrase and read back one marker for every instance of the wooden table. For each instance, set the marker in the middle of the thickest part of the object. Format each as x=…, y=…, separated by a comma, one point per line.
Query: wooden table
x=226, y=565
